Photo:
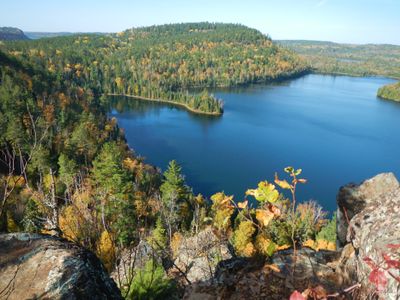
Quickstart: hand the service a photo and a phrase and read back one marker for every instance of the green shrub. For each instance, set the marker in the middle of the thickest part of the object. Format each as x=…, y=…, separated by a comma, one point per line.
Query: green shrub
x=151, y=283
x=328, y=232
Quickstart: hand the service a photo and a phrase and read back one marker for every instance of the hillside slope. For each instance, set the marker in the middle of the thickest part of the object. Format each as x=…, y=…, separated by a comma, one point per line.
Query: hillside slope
x=348, y=59
x=163, y=62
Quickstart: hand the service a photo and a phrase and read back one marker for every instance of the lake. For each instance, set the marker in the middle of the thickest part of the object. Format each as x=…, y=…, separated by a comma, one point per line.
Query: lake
x=333, y=127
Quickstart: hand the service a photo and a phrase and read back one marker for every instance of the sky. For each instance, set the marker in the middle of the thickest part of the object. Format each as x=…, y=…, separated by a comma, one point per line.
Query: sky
x=345, y=21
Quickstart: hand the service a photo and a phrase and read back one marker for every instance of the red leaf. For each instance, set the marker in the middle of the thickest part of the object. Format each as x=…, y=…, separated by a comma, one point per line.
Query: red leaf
x=393, y=246
x=369, y=262
x=378, y=278
x=390, y=262
x=296, y=296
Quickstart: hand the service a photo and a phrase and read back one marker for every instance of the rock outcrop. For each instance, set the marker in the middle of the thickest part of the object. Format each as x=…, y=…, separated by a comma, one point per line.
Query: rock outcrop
x=133, y=259
x=198, y=256
x=34, y=266
x=240, y=278
x=353, y=199
x=373, y=223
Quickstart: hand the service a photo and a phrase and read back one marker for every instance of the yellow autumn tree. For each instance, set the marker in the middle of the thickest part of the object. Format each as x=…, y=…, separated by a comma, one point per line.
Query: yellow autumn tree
x=69, y=223
x=222, y=210
x=106, y=250
x=264, y=245
x=242, y=239
x=120, y=83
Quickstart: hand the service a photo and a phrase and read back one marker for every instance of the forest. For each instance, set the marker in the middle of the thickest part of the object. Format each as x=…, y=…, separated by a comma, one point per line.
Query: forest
x=163, y=62
x=390, y=92
x=67, y=170
x=348, y=59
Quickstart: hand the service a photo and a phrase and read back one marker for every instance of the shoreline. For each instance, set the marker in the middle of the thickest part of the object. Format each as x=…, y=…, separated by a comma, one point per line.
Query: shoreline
x=353, y=75
x=387, y=99
x=278, y=79
x=187, y=107
x=215, y=114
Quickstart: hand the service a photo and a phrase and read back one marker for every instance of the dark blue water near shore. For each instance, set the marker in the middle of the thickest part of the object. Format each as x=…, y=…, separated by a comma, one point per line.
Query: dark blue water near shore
x=334, y=128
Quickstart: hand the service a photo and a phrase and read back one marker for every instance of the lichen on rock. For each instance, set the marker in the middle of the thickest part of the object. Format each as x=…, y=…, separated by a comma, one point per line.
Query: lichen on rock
x=34, y=266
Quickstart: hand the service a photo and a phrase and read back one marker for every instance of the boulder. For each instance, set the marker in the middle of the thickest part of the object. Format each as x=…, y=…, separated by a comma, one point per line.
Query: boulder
x=254, y=278
x=309, y=266
x=353, y=198
x=133, y=259
x=34, y=266
x=372, y=223
x=199, y=255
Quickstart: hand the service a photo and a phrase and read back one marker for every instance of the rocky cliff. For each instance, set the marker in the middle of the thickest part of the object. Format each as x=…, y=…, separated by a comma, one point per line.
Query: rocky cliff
x=11, y=33
x=34, y=266
x=369, y=227
x=367, y=266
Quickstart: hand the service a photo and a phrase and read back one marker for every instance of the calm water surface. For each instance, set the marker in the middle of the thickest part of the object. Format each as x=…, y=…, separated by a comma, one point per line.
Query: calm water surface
x=334, y=128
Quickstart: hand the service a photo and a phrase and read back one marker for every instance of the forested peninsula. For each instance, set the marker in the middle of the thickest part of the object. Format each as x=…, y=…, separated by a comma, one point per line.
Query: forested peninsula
x=390, y=92
x=163, y=62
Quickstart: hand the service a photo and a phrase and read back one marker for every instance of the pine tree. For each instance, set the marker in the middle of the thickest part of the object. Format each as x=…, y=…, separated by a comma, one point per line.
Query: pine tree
x=175, y=194
x=32, y=220
x=67, y=171
x=113, y=189
x=158, y=238
x=108, y=172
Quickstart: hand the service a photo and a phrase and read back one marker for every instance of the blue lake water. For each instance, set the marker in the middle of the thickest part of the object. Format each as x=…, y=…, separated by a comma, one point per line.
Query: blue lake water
x=333, y=127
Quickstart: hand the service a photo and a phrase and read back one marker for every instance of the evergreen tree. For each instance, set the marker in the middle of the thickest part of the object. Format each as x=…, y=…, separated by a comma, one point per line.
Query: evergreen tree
x=175, y=194
x=158, y=238
x=108, y=172
x=33, y=219
x=67, y=171
x=113, y=191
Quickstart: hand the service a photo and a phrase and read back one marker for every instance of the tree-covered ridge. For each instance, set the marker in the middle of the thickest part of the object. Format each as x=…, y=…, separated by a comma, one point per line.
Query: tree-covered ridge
x=163, y=62
x=208, y=54
x=390, y=92
x=348, y=59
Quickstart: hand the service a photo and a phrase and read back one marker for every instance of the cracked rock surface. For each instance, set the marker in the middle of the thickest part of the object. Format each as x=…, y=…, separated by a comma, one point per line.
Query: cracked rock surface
x=34, y=266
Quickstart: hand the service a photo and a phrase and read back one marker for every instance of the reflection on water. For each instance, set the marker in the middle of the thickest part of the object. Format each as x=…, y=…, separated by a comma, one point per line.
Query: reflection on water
x=140, y=108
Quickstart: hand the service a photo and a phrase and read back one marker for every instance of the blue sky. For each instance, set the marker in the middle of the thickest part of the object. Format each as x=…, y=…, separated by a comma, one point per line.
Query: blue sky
x=350, y=21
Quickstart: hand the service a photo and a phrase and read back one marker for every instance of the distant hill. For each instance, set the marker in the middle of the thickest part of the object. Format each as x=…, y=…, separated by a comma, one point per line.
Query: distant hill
x=303, y=42
x=38, y=35
x=12, y=33
x=348, y=59
x=34, y=35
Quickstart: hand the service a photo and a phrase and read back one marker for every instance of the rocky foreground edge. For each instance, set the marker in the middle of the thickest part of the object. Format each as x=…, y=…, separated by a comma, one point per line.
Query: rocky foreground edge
x=37, y=266
x=368, y=220
x=34, y=266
